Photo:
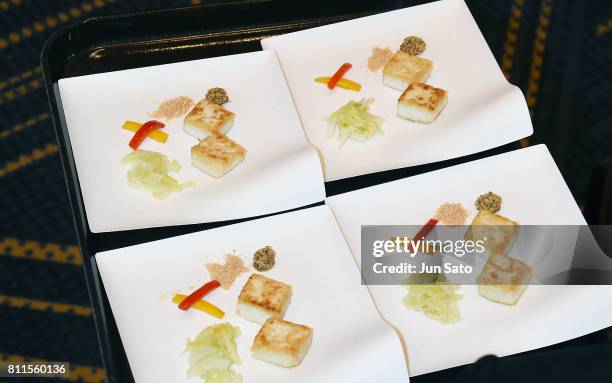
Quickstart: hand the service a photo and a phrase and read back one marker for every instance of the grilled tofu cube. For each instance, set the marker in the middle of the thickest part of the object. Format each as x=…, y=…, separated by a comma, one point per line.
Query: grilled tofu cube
x=217, y=154
x=262, y=298
x=421, y=102
x=404, y=69
x=282, y=342
x=504, y=279
x=497, y=232
x=207, y=118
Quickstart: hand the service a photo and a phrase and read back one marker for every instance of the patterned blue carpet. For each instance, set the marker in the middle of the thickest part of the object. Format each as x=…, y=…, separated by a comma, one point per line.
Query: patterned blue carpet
x=558, y=52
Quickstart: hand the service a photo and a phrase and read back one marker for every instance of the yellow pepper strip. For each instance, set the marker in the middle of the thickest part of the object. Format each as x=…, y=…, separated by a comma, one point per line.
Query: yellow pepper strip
x=201, y=305
x=157, y=135
x=343, y=83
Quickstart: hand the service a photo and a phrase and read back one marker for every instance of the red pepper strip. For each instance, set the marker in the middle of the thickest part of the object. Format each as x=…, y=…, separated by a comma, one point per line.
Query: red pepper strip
x=143, y=132
x=338, y=75
x=198, y=294
x=425, y=230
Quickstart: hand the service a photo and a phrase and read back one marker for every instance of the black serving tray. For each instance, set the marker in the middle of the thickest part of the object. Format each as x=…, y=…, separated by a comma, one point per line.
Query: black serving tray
x=133, y=40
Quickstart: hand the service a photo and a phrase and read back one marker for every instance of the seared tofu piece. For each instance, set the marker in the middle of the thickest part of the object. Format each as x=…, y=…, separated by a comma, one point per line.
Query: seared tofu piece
x=421, y=102
x=404, y=69
x=217, y=154
x=207, y=118
x=262, y=298
x=282, y=342
x=504, y=279
x=497, y=232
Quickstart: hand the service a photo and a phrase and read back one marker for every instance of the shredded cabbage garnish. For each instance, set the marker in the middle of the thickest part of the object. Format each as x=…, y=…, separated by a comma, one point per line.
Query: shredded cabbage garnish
x=221, y=376
x=437, y=301
x=212, y=353
x=149, y=173
x=354, y=121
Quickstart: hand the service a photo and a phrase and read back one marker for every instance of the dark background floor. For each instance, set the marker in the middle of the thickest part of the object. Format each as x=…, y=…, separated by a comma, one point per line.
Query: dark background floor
x=558, y=52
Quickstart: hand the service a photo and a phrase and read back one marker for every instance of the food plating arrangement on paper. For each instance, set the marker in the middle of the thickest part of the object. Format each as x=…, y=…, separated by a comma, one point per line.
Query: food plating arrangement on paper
x=281, y=298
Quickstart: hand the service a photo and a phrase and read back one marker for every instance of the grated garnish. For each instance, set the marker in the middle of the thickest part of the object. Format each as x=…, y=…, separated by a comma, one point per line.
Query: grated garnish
x=452, y=214
x=227, y=272
x=173, y=108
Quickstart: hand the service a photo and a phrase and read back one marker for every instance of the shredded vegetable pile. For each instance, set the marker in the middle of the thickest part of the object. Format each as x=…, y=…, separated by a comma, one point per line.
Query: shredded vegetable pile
x=354, y=121
x=149, y=173
x=437, y=301
x=212, y=353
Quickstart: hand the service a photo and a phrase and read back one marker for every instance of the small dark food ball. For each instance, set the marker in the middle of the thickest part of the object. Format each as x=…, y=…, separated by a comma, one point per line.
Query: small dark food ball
x=264, y=259
x=490, y=202
x=217, y=95
x=413, y=45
